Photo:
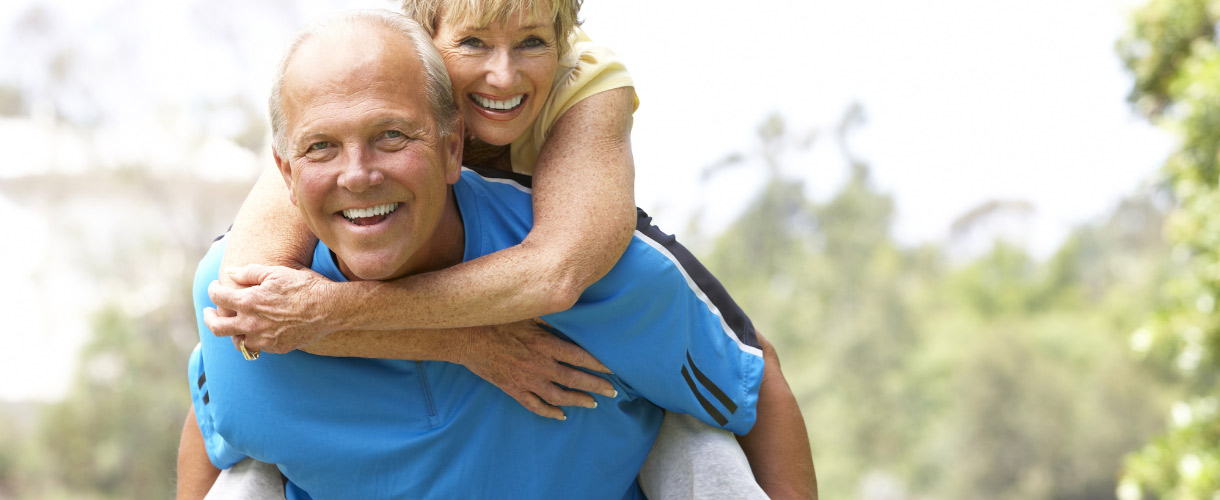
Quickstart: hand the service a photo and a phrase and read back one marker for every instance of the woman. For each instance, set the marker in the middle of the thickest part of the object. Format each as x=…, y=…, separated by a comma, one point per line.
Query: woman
x=536, y=97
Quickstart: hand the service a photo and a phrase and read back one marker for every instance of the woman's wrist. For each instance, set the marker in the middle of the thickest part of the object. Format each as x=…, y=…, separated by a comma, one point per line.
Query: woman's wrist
x=344, y=305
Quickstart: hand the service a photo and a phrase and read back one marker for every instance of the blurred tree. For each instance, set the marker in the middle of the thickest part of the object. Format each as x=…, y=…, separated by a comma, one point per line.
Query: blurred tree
x=115, y=434
x=1172, y=52
x=1001, y=376
x=819, y=280
x=1047, y=397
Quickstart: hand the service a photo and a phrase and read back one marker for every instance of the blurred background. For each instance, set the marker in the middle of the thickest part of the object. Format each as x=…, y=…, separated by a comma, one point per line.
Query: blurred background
x=983, y=235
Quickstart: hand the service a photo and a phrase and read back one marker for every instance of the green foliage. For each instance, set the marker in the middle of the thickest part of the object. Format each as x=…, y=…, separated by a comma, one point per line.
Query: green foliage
x=1001, y=376
x=1171, y=50
x=115, y=435
x=110, y=435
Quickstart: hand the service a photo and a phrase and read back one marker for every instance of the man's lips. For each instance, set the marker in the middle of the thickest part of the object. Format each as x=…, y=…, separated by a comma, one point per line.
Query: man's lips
x=371, y=215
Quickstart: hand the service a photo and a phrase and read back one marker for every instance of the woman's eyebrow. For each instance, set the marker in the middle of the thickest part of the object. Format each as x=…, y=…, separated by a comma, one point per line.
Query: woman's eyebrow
x=529, y=27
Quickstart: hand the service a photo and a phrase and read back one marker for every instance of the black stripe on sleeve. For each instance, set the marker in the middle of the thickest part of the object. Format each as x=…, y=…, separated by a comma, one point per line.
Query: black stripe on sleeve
x=203, y=377
x=732, y=313
x=707, y=405
x=223, y=234
x=206, y=399
x=707, y=382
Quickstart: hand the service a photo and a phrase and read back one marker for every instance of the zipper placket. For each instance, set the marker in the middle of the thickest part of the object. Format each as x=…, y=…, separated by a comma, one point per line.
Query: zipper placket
x=423, y=383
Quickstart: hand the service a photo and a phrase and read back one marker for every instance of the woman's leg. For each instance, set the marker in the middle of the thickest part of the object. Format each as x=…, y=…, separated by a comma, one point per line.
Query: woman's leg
x=693, y=460
x=248, y=480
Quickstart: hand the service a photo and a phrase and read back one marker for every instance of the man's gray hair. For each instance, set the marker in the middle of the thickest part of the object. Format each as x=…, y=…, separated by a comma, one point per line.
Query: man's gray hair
x=436, y=82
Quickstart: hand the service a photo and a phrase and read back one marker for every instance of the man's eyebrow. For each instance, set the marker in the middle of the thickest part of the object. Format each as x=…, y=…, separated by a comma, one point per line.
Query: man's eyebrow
x=308, y=139
x=411, y=126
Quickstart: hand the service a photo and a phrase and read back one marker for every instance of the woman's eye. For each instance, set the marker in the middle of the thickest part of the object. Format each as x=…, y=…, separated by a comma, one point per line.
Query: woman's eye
x=471, y=42
x=533, y=42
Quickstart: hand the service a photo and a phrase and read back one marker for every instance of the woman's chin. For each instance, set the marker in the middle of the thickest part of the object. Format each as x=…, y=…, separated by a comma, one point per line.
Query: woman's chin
x=498, y=135
x=496, y=132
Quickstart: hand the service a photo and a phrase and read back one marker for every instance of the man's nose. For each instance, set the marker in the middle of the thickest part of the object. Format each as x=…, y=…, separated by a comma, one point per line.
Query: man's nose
x=502, y=71
x=359, y=172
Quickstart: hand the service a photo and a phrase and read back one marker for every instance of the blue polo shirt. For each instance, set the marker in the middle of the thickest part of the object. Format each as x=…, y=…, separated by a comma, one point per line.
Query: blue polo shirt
x=369, y=428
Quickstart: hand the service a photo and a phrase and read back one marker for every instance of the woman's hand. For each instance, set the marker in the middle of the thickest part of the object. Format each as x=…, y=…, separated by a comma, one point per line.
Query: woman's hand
x=527, y=363
x=274, y=309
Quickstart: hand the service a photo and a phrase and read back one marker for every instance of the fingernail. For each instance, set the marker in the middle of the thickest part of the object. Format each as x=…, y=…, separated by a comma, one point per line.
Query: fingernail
x=611, y=394
x=594, y=405
x=230, y=270
x=563, y=417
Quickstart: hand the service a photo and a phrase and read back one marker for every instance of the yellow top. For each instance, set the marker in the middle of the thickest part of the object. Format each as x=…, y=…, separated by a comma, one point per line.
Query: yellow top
x=587, y=69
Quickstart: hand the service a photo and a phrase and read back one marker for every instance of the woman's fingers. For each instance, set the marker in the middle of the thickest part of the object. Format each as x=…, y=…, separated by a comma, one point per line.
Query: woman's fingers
x=582, y=381
x=557, y=396
x=533, y=403
x=224, y=297
x=249, y=275
x=572, y=354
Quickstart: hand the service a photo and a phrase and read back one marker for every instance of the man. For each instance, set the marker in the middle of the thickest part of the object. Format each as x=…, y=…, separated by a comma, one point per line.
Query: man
x=374, y=166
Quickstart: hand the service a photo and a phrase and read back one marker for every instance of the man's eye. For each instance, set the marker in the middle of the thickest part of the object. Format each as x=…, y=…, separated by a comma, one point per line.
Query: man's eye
x=318, y=146
x=393, y=134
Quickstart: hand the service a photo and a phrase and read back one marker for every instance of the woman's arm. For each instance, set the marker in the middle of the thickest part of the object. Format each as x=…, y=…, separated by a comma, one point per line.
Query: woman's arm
x=584, y=216
x=778, y=445
x=196, y=474
x=268, y=229
x=519, y=358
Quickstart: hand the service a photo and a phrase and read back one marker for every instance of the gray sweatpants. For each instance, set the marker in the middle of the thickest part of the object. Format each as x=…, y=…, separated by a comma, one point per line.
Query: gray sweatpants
x=689, y=461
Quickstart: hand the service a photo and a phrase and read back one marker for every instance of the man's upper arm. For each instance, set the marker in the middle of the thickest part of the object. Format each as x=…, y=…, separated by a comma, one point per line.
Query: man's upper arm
x=668, y=329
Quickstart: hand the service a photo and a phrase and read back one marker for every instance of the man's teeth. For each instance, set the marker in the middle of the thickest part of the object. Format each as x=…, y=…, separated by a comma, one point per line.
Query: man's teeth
x=500, y=105
x=359, y=213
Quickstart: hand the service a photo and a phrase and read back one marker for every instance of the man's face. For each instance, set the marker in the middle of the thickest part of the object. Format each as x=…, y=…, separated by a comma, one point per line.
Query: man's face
x=365, y=162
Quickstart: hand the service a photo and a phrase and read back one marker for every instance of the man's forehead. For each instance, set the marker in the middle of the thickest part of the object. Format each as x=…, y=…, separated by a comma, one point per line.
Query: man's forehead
x=349, y=56
x=340, y=67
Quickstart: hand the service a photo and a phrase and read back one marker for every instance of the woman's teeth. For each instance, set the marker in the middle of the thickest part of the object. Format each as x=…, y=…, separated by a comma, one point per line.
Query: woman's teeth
x=504, y=105
x=360, y=213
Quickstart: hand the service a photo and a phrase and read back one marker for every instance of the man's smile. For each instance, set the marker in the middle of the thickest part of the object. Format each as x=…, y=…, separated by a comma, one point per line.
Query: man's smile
x=371, y=215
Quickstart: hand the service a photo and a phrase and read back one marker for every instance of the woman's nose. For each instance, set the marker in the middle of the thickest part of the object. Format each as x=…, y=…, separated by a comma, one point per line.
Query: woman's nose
x=501, y=71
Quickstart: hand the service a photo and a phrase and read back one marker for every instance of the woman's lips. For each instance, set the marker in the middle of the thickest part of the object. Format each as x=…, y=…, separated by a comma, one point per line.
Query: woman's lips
x=498, y=109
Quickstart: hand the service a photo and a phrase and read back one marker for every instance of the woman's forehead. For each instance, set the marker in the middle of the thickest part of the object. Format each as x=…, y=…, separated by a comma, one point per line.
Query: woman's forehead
x=484, y=13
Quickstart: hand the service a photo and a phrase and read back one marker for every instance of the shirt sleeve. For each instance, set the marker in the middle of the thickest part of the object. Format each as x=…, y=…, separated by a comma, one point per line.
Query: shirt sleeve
x=220, y=453
x=668, y=329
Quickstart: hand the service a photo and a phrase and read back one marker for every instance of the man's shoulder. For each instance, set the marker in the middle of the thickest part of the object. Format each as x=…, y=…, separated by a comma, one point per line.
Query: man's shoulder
x=496, y=208
x=483, y=175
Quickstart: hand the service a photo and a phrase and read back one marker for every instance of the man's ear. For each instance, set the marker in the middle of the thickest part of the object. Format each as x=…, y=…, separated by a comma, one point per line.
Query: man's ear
x=453, y=146
x=286, y=172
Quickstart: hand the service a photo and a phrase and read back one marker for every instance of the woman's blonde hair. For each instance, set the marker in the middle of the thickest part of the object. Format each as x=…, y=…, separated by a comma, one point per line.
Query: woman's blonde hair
x=486, y=12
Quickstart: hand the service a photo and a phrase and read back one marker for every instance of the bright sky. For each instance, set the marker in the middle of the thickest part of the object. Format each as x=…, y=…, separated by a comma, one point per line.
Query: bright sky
x=965, y=101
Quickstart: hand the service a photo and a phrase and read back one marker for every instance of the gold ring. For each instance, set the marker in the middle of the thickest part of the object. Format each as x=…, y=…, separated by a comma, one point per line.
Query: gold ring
x=251, y=354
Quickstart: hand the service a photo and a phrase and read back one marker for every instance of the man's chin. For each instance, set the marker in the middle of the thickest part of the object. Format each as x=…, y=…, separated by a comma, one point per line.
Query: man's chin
x=368, y=267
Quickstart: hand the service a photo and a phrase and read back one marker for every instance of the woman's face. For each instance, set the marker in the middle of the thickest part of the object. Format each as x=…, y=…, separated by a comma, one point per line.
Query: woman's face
x=501, y=73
